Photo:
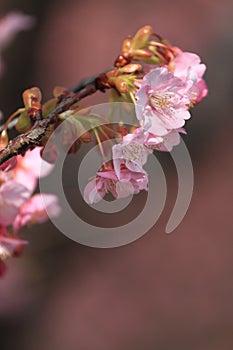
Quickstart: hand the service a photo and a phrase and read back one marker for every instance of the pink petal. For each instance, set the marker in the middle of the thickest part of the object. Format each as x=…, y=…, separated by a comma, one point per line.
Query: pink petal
x=124, y=189
x=92, y=194
x=9, y=164
x=14, y=193
x=108, y=174
x=8, y=214
x=37, y=209
x=12, y=23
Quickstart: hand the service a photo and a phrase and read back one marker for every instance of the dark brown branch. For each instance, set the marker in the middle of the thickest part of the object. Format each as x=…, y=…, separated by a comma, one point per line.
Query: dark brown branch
x=33, y=137
x=88, y=81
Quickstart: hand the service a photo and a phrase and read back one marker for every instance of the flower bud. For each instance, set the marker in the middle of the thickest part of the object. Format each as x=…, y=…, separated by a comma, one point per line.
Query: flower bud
x=141, y=54
x=126, y=45
x=130, y=68
x=171, y=66
x=121, y=61
x=141, y=37
x=152, y=60
x=86, y=137
x=121, y=85
x=3, y=139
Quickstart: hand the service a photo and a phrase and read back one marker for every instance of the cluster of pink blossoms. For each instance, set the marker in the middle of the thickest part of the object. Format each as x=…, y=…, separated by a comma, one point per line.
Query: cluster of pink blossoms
x=163, y=100
x=18, y=205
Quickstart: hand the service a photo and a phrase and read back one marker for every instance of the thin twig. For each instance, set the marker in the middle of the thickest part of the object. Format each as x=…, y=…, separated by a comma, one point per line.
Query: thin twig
x=11, y=125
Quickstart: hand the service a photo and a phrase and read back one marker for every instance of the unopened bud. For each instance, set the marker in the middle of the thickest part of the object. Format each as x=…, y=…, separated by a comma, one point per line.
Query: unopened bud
x=131, y=68
x=141, y=37
x=121, y=85
x=171, y=66
x=141, y=54
x=126, y=45
x=3, y=139
x=86, y=137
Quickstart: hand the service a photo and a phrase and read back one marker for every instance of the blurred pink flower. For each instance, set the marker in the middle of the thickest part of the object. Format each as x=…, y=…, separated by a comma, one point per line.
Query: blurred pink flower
x=162, y=101
x=37, y=209
x=16, y=188
x=10, y=25
x=30, y=167
x=9, y=164
x=188, y=66
x=12, y=196
x=9, y=244
x=107, y=181
x=18, y=180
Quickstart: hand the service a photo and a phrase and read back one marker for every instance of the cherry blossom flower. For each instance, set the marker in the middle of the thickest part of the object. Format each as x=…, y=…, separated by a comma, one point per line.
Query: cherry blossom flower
x=162, y=101
x=188, y=67
x=38, y=209
x=131, y=152
x=107, y=181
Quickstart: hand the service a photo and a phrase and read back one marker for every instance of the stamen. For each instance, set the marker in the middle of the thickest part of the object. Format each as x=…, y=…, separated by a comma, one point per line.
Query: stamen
x=163, y=103
x=133, y=152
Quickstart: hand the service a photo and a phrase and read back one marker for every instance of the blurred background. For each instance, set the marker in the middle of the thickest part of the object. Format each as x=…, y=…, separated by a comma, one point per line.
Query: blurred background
x=162, y=291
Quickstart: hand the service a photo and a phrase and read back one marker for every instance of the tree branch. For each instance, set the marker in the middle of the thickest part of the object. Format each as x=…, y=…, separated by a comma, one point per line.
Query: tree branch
x=33, y=137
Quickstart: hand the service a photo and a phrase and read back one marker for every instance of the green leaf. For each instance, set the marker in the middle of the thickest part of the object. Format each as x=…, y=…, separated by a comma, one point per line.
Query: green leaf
x=24, y=122
x=49, y=106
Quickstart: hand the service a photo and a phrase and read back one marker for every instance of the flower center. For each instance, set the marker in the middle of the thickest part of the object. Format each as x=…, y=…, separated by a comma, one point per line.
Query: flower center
x=163, y=103
x=111, y=186
x=134, y=152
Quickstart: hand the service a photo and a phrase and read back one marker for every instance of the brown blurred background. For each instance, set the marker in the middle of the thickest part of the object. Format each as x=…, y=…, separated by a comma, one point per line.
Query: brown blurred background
x=163, y=291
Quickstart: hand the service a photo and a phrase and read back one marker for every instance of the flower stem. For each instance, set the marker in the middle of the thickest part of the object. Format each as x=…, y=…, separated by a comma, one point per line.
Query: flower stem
x=99, y=143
